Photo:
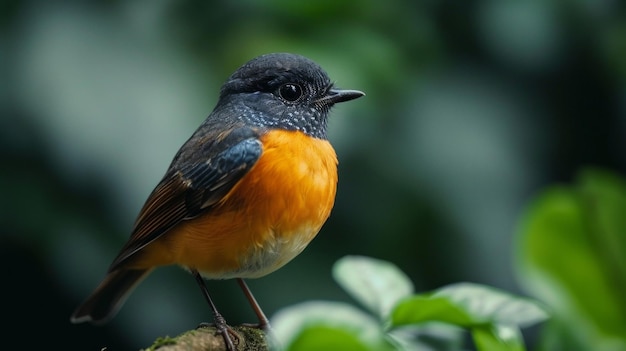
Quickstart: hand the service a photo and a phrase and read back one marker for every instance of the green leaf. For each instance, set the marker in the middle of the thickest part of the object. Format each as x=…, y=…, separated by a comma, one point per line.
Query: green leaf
x=320, y=337
x=321, y=325
x=573, y=256
x=420, y=309
x=498, y=338
x=378, y=285
x=467, y=305
x=604, y=196
x=428, y=337
x=491, y=305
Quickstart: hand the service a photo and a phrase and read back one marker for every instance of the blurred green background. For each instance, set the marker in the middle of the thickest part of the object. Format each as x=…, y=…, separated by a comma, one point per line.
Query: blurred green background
x=472, y=108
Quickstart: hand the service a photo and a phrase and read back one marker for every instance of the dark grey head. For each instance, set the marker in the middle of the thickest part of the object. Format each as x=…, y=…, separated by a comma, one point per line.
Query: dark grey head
x=283, y=91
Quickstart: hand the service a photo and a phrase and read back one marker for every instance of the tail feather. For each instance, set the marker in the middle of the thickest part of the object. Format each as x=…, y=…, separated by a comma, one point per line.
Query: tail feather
x=109, y=296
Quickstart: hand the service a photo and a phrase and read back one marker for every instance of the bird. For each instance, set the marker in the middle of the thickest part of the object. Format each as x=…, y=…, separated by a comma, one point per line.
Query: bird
x=244, y=195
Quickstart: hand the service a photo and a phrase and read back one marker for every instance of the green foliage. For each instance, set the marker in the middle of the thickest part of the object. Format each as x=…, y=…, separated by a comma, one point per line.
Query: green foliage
x=573, y=257
x=399, y=318
x=318, y=325
x=377, y=285
x=468, y=305
x=498, y=337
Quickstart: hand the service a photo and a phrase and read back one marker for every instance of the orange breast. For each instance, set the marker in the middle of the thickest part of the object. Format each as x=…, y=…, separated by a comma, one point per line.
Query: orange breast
x=267, y=218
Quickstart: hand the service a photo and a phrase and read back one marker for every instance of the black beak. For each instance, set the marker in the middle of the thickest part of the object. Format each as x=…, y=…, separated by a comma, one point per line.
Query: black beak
x=336, y=95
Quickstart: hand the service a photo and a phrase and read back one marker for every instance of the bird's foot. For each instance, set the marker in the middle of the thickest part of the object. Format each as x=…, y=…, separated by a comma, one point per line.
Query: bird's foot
x=228, y=334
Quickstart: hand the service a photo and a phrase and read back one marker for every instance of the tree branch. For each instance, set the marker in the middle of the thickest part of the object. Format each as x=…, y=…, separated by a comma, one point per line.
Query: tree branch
x=206, y=338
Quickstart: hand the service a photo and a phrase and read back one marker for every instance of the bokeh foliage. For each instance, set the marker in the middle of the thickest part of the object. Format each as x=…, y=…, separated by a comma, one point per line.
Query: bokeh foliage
x=573, y=256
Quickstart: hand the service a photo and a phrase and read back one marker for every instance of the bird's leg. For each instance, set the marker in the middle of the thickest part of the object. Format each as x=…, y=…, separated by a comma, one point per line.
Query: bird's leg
x=220, y=322
x=264, y=323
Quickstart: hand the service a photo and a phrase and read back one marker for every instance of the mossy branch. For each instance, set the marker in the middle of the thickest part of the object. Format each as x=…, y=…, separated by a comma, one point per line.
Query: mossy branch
x=208, y=339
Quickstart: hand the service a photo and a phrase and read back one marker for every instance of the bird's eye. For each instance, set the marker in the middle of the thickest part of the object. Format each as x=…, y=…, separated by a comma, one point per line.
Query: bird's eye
x=290, y=92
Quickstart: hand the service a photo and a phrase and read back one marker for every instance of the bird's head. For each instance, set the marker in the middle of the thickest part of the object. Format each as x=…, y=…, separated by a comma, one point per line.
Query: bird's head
x=285, y=91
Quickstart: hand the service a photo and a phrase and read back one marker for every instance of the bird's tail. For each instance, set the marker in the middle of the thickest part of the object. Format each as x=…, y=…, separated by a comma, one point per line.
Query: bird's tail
x=109, y=296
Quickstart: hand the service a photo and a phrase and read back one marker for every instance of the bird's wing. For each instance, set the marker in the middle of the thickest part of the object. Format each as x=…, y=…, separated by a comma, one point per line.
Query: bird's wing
x=192, y=188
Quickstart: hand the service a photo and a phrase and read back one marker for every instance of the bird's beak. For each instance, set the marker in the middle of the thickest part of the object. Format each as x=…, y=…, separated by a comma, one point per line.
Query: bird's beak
x=336, y=95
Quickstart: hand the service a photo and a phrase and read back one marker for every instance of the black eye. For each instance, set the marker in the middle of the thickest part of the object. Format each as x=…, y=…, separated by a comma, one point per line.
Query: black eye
x=290, y=92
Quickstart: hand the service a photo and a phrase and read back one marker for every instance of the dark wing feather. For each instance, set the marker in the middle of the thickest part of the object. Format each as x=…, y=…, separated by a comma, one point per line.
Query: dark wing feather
x=190, y=189
x=214, y=178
